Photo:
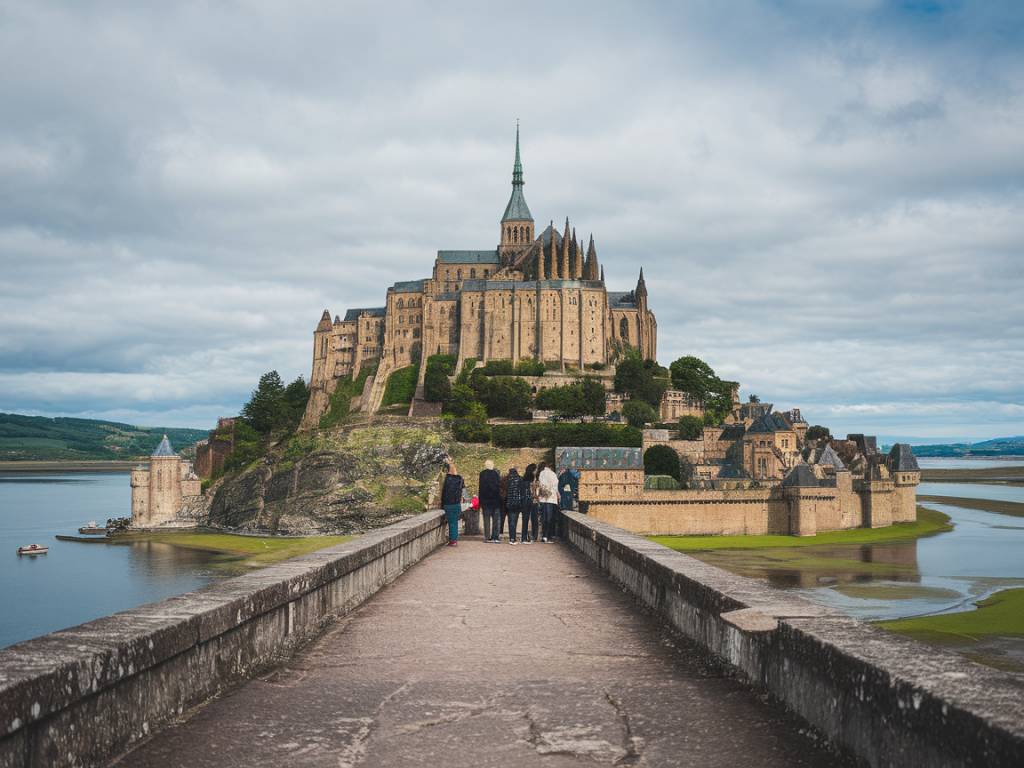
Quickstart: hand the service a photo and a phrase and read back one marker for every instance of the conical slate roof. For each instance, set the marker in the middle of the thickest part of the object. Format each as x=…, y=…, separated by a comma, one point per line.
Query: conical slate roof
x=164, y=449
x=517, y=209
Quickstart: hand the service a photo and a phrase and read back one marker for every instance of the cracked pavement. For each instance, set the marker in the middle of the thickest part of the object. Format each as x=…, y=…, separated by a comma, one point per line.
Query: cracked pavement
x=491, y=655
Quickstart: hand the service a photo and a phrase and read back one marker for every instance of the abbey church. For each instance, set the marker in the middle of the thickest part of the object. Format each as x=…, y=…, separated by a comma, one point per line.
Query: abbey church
x=534, y=296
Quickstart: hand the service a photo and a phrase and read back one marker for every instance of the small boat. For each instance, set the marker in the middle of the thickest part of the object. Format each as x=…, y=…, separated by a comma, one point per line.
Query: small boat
x=33, y=549
x=93, y=530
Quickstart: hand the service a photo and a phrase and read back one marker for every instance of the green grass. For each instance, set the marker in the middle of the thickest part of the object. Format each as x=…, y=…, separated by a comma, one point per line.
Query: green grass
x=255, y=551
x=1000, y=615
x=401, y=386
x=928, y=523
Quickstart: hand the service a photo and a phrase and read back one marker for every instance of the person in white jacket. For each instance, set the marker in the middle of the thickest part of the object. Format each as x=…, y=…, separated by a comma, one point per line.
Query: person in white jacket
x=547, y=497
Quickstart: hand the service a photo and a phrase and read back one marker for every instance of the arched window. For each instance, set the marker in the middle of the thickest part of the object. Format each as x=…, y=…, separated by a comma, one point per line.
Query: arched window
x=472, y=273
x=515, y=235
x=487, y=272
x=400, y=304
x=624, y=328
x=458, y=274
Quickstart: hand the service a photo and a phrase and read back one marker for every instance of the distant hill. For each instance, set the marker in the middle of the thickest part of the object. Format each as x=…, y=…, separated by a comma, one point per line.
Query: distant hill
x=1000, y=446
x=37, y=438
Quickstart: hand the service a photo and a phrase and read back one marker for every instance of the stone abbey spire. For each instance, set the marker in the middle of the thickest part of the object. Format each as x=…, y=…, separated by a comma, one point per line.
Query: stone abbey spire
x=517, y=223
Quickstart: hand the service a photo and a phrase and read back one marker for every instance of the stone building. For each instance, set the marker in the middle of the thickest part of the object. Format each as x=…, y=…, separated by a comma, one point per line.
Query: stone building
x=818, y=492
x=538, y=296
x=214, y=450
x=164, y=490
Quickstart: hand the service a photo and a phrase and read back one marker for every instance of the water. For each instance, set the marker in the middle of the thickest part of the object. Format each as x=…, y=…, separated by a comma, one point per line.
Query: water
x=973, y=491
x=943, y=463
x=78, y=582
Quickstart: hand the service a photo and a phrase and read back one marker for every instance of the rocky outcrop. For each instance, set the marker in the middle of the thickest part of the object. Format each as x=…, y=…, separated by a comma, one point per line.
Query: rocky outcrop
x=343, y=482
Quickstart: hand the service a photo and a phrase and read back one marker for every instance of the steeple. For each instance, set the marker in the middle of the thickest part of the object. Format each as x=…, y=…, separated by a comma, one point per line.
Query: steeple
x=641, y=286
x=325, y=322
x=517, y=223
x=602, y=273
x=592, y=266
x=565, y=252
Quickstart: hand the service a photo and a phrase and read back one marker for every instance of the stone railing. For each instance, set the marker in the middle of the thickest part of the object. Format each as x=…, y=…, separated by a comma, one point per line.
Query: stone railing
x=79, y=696
x=887, y=699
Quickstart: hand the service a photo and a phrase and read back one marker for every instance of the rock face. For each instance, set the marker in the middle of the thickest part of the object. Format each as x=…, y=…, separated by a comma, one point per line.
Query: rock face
x=346, y=482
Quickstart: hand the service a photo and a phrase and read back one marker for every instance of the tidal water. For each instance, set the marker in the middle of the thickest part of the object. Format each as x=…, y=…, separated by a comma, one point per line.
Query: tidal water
x=78, y=582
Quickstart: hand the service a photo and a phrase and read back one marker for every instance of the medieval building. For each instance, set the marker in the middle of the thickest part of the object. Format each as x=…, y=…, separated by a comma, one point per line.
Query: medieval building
x=165, y=492
x=538, y=296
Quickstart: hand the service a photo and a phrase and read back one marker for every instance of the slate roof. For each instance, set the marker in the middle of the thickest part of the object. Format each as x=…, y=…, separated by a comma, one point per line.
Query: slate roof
x=599, y=458
x=621, y=299
x=828, y=457
x=408, y=286
x=733, y=432
x=517, y=209
x=771, y=422
x=469, y=257
x=164, y=449
x=353, y=314
x=801, y=476
x=732, y=472
x=902, y=458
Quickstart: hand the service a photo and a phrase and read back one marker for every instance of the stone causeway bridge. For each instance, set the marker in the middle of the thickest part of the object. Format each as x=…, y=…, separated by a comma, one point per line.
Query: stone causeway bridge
x=390, y=650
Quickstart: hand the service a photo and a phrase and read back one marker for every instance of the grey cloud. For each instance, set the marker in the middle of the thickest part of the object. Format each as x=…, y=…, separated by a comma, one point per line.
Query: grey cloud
x=828, y=206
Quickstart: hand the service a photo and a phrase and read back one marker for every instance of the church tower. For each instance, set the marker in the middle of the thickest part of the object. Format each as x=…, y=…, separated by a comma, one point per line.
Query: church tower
x=517, y=223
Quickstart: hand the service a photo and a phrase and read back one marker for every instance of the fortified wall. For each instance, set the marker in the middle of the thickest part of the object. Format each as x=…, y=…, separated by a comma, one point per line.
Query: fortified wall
x=811, y=497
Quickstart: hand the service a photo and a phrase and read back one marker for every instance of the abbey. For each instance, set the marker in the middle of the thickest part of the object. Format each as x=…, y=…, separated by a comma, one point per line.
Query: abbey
x=533, y=296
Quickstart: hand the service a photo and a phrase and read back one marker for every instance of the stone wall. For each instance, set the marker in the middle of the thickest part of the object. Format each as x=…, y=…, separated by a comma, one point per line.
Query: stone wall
x=82, y=695
x=887, y=699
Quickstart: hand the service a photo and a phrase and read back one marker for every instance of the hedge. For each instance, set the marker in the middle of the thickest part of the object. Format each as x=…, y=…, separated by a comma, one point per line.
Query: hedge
x=598, y=434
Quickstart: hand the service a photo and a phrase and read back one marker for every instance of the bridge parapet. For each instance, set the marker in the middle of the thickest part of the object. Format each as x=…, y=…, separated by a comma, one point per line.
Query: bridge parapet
x=887, y=699
x=82, y=695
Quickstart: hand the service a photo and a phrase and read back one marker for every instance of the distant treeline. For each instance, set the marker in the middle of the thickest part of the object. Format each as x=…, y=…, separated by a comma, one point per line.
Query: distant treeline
x=38, y=438
x=1000, y=446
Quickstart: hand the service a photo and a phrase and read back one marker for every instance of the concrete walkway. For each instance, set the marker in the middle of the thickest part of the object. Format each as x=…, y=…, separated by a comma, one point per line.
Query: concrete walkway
x=491, y=655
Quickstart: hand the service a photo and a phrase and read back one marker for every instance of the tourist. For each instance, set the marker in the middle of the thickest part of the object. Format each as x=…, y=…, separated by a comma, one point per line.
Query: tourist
x=530, y=511
x=451, y=501
x=504, y=509
x=517, y=496
x=489, y=492
x=547, y=497
x=565, y=499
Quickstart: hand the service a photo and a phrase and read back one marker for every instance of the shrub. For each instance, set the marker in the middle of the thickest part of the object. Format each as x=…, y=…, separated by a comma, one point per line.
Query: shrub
x=503, y=396
x=459, y=401
x=498, y=368
x=661, y=460
x=467, y=368
x=530, y=368
x=473, y=427
x=690, y=427
x=598, y=434
x=661, y=483
x=436, y=386
x=401, y=386
x=582, y=398
x=595, y=366
x=637, y=413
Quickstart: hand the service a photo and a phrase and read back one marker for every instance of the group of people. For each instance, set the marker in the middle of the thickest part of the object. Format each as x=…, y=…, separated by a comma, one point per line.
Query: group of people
x=533, y=497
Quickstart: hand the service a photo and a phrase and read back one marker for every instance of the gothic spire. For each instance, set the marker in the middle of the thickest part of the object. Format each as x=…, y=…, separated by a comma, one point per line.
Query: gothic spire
x=517, y=209
x=641, y=286
x=602, y=273
x=564, y=269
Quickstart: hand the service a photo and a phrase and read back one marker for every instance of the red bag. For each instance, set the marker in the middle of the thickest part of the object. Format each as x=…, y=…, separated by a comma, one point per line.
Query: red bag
x=474, y=503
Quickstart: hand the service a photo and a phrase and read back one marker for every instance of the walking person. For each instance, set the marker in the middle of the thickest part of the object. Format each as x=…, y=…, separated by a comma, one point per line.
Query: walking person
x=547, y=497
x=451, y=501
x=530, y=508
x=489, y=493
x=517, y=496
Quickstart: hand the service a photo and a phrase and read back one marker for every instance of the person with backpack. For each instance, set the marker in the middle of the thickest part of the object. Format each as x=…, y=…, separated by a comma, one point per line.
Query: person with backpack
x=517, y=496
x=490, y=501
x=530, y=508
x=451, y=501
x=567, y=485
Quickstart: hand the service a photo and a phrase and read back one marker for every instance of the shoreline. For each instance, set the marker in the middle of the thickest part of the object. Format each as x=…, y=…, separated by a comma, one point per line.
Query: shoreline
x=104, y=466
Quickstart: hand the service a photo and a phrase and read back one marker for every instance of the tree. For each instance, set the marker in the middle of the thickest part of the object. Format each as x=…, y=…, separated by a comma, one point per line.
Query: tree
x=816, y=432
x=473, y=427
x=754, y=399
x=695, y=377
x=502, y=396
x=436, y=386
x=629, y=375
x=637, y=413
x=584, y=397
x=641, y=380
x=295, y=397
x=461, y=399
x=266, y=408
x=593, y=396
x=661, y=460
x=690, y=427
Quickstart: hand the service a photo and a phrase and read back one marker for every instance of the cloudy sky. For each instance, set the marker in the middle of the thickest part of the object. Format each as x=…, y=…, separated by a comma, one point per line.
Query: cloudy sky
x=827, y=198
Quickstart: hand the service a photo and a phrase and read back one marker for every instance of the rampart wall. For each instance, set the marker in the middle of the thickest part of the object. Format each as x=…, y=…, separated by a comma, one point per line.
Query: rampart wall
x=82, y=695
x=885, y=698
